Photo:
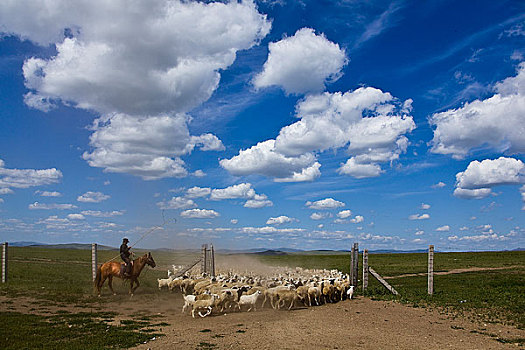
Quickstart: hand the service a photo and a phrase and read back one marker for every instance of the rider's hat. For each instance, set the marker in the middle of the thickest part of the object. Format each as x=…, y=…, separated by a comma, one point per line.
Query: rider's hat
x=125, y=240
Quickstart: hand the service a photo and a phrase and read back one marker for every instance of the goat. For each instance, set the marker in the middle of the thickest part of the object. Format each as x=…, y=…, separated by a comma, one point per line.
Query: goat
x=350, y=292
x=287, y=295
x=250, y=300
x=315, y=294
x=201, y=305
x=164, y=282
x=189, y=300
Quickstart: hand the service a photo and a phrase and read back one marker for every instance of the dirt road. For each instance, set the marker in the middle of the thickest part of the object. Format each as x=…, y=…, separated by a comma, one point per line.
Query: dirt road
x=353, y=324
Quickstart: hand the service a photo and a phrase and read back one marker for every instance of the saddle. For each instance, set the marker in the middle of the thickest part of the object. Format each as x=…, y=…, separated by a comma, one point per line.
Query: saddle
x=123, y=268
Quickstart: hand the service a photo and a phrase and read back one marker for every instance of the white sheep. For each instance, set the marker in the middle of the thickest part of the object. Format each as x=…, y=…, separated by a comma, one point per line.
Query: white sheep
x=249, y=300
x=350, y=292
x=189, y=300
x=164, y=282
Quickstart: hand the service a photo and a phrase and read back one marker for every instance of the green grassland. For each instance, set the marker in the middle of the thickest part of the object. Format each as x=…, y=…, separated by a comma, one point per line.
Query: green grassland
x=489, y=296
x=63, y=277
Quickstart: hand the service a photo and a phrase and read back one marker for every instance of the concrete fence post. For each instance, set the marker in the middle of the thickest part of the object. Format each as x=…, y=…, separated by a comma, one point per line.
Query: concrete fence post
x=94, y=260
x=4, y=262
x=430, y=269
x=365, y=269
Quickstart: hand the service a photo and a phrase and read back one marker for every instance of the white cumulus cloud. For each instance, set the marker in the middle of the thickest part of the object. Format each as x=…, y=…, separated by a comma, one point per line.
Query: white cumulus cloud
x=199, y=214
x=419, y=217
x=258, y=203
x=48, y=193
x=344, y=214
x=263, y=159
x=92, y=197
x=51, y=206
x=197, y=192
x=479, y=123
x=302, y=63
x=76, y=217
x=369, y=123
x=24, y=178
x=444, y=228
x=358, y=219
x=140, y=60
x=479, y=178
x=323, y=204
x=177, y=203
x=102, y=214
x=283, y=219
x=149, y=147
x=243, y=190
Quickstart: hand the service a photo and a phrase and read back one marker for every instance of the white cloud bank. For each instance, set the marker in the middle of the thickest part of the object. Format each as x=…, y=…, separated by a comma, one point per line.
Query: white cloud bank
x=283, y=219
x=25, y=178
x=242, y=191
x=480, y=122
x=92, y=197
x=199, y=214
x=368, y=122
x=325, y=204
x=477, y=180
x=51, y=206
x=139, y=65
x=344, y=214
x=302, y=63
x=177, y=203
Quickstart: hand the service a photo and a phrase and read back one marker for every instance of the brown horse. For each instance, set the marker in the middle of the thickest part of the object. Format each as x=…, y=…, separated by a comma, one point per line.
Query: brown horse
x=112, y=269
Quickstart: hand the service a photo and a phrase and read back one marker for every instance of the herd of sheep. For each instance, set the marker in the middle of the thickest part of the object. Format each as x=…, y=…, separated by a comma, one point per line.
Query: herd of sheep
x=284, y=288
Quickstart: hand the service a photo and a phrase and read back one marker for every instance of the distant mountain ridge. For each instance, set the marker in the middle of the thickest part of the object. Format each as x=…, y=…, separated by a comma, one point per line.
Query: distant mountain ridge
x=258, y=251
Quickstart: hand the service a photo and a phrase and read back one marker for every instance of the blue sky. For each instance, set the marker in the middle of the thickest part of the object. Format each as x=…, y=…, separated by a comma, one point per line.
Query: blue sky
x=302, y=124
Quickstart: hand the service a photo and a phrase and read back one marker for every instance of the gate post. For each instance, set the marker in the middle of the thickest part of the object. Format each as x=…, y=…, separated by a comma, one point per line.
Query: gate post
x=356, y=263
x=203, y=261
x=4, y=262
x=94, y=260
x=212, y=262
x=352, y=257
x=430, y=269
x=365, y=269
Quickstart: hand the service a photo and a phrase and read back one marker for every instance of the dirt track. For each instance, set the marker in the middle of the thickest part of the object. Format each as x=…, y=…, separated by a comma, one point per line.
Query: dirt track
x=359, y=323
x=351, y=324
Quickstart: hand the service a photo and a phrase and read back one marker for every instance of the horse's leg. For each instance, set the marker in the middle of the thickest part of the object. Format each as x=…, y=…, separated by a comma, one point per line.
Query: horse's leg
x=101, y=284
x=131, y=286
x=110, y=284
x=137, y=285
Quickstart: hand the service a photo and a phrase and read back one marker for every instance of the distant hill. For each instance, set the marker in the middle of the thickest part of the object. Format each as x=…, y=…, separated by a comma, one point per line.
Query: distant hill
x=24, y=244
x=271, y=252
x=258, y=251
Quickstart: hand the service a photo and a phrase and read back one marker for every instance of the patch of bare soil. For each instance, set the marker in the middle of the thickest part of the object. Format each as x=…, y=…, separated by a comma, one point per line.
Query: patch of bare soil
x=351, y=324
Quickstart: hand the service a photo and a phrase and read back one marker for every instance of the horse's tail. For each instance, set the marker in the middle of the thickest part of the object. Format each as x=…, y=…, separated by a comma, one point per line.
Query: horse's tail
x=98, y=278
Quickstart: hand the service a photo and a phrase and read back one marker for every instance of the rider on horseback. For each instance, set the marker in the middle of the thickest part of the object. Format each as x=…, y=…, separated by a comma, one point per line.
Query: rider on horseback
x=125, y=253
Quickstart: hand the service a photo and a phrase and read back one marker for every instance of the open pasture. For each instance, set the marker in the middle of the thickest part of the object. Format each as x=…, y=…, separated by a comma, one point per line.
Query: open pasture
x=489, y=286
x=45, y=282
